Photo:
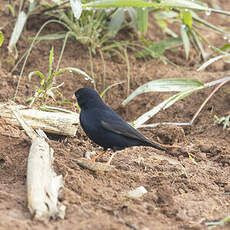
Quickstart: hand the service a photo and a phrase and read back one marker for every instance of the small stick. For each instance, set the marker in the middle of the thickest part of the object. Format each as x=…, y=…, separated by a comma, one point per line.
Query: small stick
x=207, y=99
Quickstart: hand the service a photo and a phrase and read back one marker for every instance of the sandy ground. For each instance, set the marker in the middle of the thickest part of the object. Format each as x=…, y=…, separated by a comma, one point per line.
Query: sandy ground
x=181, y=194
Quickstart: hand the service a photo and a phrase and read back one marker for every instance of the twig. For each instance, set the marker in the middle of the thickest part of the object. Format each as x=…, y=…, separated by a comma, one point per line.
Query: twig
x=207, y=99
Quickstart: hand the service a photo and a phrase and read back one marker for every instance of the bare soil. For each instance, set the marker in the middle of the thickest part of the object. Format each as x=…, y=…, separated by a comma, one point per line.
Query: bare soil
x=181, y=194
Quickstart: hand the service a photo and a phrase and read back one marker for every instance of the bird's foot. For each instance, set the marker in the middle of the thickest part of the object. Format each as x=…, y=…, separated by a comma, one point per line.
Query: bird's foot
x=88, y=159
x=110, y=159
x=99, y=156
x=95, y=158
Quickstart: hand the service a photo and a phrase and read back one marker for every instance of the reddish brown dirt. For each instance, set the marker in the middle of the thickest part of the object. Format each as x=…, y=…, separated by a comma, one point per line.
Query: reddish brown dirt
x=181, y=194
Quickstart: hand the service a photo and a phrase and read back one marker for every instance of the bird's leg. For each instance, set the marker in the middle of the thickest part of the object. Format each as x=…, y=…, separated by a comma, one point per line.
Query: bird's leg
x=98, y=156
x=110, y=159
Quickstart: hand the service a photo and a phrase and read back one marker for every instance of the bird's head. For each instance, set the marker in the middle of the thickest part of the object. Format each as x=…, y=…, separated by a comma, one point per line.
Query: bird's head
x=87, y=97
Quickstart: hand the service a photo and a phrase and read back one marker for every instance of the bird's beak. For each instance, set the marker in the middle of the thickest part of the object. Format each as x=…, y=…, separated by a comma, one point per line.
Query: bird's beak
x=76, y=104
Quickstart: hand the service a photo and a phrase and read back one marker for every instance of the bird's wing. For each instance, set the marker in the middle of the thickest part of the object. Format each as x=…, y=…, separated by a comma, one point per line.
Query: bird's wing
x=122, y=128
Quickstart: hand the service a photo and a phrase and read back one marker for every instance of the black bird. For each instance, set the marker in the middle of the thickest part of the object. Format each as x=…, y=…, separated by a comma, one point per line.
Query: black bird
x=104, y=126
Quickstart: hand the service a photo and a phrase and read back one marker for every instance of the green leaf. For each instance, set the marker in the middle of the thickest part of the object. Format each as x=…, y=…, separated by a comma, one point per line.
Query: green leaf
x=192, y=159
x=116, y=21
x=29, y=99
x=109, y=87
x=42, y=82
x=162, y=24
x=197, y=42
x=226, y=124
x=133, y=15
x=11, y=8
x=217, y=223
x=118, y=4
x=142, y=19
x=21, y=21
x=49, y=37
x=76, y=8
x=51, y=61
x=157, y=49
x=164, y=105
x=186, y=4
x=164, y=85
x=208, y=24
x=40, y=91
x=1, y=38
x=165, y=15
x=195, y=85
x=185, y=38
x=212, y=60
x=225, y=47
x=32, y=6
x=182, y=95
x=38, y=73
x=72, y=69
x=186, y=17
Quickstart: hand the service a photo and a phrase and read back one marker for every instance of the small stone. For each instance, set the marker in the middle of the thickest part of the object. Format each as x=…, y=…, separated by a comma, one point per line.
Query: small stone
x=227, y=188
x=206, y=148
x=136, y=193
x=181, y=190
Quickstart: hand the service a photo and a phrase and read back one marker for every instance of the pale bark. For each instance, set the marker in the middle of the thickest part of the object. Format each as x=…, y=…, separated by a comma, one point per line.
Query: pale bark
x=43, y=184
x=60, y=123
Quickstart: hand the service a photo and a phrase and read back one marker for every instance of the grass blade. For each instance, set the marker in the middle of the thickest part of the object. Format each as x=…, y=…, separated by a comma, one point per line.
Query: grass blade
x=185, y=38
x=72, y=69
x=146, y=116
x=142, y=19
x=76, y=8
x=1, y=38
x=212, y=60
x=157, y=49
x=51, y=61
x=186, y=4
x=109, y=87
x=117, y=19
x=204, y=22
x=118, y=3
x=164, y=85
x=21, y=20
x=40, y=74
x=163, y=105
x=49, y=37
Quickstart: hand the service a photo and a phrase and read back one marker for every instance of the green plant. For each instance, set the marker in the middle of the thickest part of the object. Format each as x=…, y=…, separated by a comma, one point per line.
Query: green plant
x=183, y=11
x=223, y=120
x=184, y=87
x=47, y=86
x=222, y=222
x=89, y=29
x=95, y=23
x=1, y=38
x=108, y=88
x=88, y=20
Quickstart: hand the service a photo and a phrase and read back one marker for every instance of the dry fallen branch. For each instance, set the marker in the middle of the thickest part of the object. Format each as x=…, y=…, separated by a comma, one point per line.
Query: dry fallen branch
x=43, y=184
x=52, y=122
